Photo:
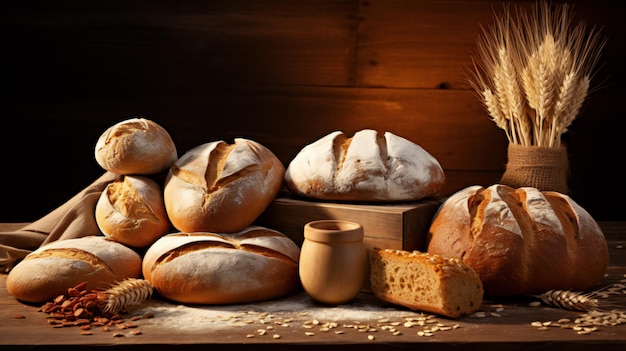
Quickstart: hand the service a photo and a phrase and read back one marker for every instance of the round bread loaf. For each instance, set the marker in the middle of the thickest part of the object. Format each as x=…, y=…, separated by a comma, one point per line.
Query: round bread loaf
x=135, y=146
x=222, y=188
x=131, y=211
x=520, y=241
x=206, y=268
x=365, y=167
x=55, y=267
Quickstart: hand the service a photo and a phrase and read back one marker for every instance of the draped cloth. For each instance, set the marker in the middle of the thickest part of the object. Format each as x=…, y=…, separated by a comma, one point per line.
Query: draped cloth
x=73, y=219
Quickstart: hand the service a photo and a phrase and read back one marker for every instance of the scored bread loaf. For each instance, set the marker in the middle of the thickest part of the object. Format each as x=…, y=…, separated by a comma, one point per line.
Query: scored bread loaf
x=254, y=264
x=131, y=211
x=520, y=241
x=135, y=146
x=425, y=282
x=221, y=187
x=55, y=267
x=365, y=167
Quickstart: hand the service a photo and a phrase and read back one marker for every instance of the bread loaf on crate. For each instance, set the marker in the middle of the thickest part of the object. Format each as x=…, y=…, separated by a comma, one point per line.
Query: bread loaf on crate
x=365, y=167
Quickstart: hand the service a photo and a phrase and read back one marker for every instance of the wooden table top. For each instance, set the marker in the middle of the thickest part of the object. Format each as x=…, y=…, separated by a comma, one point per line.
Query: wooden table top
x=297, y=323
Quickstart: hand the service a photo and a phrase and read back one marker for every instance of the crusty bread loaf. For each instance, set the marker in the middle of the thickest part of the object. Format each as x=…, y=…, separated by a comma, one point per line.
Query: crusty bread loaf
x=366, y=167
x=520, y=241
x=206, y=268
x=425, y=282
x=135, y=146
x=221, y=187
x=55, y=267
x=131, y=211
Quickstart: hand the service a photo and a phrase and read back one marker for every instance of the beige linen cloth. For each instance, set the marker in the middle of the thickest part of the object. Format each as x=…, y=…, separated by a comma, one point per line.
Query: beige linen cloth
x=74, y=219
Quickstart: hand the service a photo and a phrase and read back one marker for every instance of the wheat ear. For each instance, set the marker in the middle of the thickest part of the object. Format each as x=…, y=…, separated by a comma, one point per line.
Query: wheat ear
x=595, y=300
x=126, y=293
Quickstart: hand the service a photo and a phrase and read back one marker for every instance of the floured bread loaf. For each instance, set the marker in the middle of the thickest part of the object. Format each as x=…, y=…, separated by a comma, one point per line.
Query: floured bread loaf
x=220, y=187
x=55, y=267
x=365, y=167
x=424, y=282
x=520, y=241
x=131, y=211
x=135, y=146
x=206, y=268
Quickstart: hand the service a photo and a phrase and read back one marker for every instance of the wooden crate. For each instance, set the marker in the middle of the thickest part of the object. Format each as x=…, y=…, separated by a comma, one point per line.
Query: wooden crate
x=395, y=226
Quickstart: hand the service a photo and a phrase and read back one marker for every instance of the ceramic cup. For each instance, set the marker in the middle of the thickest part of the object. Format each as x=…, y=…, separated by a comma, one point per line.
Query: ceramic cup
x=333, y=261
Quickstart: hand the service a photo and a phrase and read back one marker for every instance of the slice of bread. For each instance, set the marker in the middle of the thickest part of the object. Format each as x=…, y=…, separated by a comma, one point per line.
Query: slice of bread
x=425, y=282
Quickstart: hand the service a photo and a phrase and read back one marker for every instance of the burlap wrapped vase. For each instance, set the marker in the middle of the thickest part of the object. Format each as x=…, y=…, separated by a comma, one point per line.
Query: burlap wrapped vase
x=544, y=168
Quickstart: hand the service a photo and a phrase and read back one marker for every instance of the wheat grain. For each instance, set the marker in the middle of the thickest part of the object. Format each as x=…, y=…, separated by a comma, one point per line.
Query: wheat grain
x=126, y=293
x=533, y=73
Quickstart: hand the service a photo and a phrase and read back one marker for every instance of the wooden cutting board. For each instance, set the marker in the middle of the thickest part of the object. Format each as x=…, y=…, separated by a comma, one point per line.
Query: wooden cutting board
x=395, y=226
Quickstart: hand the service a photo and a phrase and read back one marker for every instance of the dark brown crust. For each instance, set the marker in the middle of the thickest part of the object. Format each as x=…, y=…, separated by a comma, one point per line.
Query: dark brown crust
x=543, y=257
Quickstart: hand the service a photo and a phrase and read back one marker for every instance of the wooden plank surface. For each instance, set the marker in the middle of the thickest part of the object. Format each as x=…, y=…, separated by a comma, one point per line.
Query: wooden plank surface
x=282, y=72
x=506, y=325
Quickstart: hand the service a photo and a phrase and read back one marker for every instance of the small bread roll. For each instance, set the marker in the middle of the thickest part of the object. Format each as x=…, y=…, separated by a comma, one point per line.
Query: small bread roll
x=53, y=268
x=131, y=211
x=521, y=241
x=135, y=146
x=365, y=167
x=430, y=283
x=220, y=187
x=206, y=268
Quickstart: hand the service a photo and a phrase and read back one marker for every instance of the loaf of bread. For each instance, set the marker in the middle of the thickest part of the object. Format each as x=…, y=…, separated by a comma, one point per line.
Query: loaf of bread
x=206, y=268
x=366, y=167
x=424, y=282
x=55, y=267
x=520, y=241
x=220, y=187
x=135, y=146
x=131, y=211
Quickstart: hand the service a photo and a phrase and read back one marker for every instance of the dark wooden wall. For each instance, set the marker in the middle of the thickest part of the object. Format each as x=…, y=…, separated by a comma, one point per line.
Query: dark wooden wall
x=281, y=72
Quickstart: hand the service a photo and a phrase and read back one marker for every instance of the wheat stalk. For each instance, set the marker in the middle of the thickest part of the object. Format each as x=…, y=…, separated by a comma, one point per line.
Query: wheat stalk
x=128, y=292
x=596, y=300
x=533, y=73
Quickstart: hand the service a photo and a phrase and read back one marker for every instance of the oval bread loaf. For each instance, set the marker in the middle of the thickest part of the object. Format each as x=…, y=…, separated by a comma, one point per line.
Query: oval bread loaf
x=520, y=241
x=55, y=267
x=206, y=268
x=220, y=187
x=131, y=211
x=366, y=167
x=135, y=146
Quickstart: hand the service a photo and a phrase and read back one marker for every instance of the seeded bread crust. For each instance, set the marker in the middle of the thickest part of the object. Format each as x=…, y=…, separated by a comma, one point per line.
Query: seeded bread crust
x=425, y=282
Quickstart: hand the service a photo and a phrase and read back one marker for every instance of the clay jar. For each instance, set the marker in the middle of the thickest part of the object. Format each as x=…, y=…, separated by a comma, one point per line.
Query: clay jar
x=333, y=261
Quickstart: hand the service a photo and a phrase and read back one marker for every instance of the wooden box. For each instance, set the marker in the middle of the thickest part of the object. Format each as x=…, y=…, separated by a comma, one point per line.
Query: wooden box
x=395, y=226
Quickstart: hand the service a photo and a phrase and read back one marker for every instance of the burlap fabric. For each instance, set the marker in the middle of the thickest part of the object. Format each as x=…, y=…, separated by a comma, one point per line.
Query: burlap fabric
x=73, y=219
x=544, y=168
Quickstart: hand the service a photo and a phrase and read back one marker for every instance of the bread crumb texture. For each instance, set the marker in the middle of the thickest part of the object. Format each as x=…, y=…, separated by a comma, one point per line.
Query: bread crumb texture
x=421, y=281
